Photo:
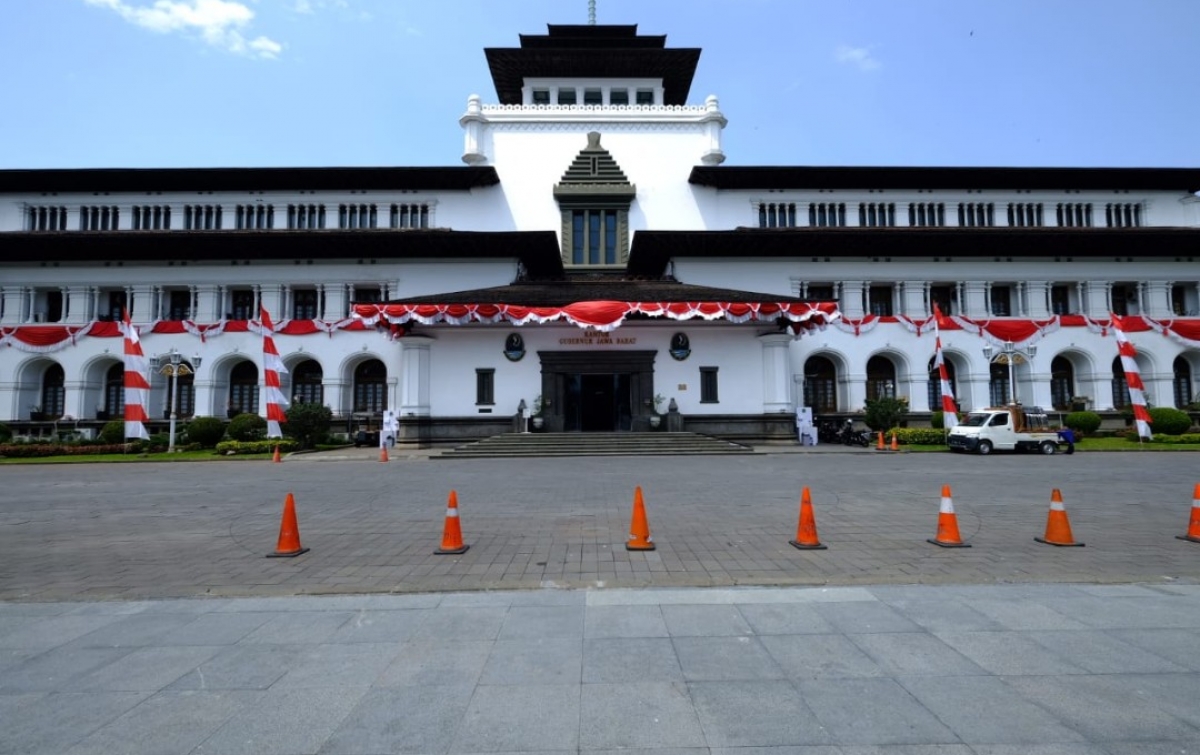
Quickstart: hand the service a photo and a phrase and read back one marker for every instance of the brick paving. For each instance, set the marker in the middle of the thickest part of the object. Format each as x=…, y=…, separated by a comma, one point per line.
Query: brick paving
x=86, y=532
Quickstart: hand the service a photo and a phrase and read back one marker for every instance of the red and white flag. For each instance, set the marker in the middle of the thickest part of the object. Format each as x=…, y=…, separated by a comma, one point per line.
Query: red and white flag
x=949, y=407
x=137, y=387
x=272, y=369
x=1133, y=378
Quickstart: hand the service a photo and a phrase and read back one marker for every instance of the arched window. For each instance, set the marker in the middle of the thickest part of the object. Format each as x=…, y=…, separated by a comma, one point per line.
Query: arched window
x=370, y=387
x=881, y=378
x=306, y=383
x=54, y=392
x=935, y=384
x=243, y=389
x=998, y=387
x=114, y=391
x=820, y=385
x=1062, y=383
x=1120, y=388
x=1183, y=383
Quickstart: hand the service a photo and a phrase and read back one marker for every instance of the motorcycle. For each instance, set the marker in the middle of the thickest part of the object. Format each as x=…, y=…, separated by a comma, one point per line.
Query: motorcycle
x=847, y=435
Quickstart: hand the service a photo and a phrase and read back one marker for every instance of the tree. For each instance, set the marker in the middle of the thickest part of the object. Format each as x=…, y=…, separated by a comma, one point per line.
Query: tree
x=885, y=413
x=308, y=424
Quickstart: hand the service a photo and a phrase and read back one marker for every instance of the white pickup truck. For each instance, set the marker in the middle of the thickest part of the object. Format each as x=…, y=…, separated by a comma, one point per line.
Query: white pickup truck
x=1005, y=428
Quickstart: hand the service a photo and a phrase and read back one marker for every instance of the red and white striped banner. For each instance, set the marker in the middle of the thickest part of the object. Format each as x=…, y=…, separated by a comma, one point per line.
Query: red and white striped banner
x=949, y=406
x=137, y=387
x=272, y=369
x=1133, y=378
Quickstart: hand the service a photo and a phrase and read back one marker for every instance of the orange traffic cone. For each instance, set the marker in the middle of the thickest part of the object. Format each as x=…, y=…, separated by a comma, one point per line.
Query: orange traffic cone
x=639, y=528
x=383, y=453
x=452, y=541
x=276, y=458
x=947, y=528
x=289, y=532
x=880, y=446
x=1193, y=533
x=806, y=532
x=895, y=443
x=1058, y=527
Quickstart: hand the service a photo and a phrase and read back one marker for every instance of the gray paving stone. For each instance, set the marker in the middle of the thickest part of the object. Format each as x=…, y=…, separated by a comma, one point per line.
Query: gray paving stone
x=540, y=661
x=165, y=723
x=1179, y=646
x=346, y=665
x=630, y=659
x=910, y=750
x=455, y=624
x=426, y=662
x=377, y=626
x=1102, y=707
x=294, y=627
x=784, y=618
x=755, y=714
x=1044, y=749
x=215, y=629
x=1101, y=653
x=283, y=722
x=146, y=669
x=52, y=723
x=1009, y=654
x=725, y=658
x=865, y=617
x=1022, y=614
x=983, y=710
x=705, y=621
x=250, y=667
x=872, y=711
x=1158, y=611
x=786, y=750
x=624, y=621
x=54, y=630
x=637, y=715
x=814, y=656
x=520, y=718
x=945, y=615
x=402, y=720
x=1173, y=693
x=57, y=669
x=900, y=653
x=535, y=622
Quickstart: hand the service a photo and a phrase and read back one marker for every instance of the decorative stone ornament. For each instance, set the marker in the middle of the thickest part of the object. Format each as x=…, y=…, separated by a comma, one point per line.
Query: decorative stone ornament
x=514, y=347
x=681, y=347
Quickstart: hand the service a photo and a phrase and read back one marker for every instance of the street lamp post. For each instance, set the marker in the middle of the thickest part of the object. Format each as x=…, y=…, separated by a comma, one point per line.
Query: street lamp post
x=172, y=365
x=1009, y=354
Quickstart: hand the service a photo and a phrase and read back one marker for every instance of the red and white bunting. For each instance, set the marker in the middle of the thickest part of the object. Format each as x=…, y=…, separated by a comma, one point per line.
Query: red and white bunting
x=949, y=406
x=137, y=387
x=272, y=368
x=1133, y=378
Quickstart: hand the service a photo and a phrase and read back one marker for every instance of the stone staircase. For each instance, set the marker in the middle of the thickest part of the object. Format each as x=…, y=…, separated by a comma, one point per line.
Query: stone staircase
x=518, y=445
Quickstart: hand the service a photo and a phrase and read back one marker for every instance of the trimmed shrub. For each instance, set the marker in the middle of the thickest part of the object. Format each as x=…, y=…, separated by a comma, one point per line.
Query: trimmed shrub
x=884, y=413
x=206, y=432
x=236, y=447
x=247, y=427
x=308, y=424
x=113, y=432
x=1169, y=421
x=1083, y=423
x=917, y=436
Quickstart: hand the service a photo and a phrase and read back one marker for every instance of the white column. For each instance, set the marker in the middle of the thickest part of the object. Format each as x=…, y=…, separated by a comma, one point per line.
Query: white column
x=975, y=303
x=912, y=298
x=1097, y=303
x=1157, y=299
x=851, y=302
x=208, y=307
x=473, y=122
x=1038, y=299
x=414, y=376
x=776, y=372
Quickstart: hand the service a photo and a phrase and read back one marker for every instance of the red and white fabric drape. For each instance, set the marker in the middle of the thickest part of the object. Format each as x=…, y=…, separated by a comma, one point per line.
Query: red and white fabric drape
x=272, y=369
x=1133, y=378
x=137, y=387
x=949, y=406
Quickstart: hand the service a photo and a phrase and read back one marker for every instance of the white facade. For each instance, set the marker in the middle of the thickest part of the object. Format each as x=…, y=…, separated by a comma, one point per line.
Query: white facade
x=530, y=147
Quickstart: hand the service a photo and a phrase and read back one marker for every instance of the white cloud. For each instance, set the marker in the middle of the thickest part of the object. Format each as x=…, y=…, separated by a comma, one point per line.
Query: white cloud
x=219, y=23
x=857, y=56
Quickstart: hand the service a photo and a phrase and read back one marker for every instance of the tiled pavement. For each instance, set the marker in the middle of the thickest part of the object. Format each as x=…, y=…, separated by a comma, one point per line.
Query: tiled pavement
x=1085, y=651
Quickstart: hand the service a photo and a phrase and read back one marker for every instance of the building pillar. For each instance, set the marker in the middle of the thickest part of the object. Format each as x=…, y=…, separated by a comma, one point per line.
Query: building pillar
x=776, y=372
x=1096, y=302
x=208, y=303
x=1156, y=298
x=414, y=376
x=975, y=303
x=851, y=302
x=1037, y=295
x=140, y=300
x=12, y=304
x=912, y=298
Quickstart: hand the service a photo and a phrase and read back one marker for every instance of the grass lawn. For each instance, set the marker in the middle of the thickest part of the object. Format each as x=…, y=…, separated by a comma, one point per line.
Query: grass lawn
x=1093, y=444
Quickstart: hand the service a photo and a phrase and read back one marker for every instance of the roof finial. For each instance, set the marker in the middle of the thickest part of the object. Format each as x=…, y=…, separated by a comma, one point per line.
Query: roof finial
x=591, y=12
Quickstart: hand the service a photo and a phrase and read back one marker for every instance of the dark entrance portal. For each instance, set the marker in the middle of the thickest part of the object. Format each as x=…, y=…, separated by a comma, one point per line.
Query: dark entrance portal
x=597, y=403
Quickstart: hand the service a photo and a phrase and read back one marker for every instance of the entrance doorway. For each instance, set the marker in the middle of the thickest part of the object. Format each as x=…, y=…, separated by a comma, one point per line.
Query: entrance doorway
x=597, y=403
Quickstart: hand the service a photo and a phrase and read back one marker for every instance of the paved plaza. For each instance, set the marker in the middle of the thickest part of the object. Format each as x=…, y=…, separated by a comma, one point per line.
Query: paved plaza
x=140, y=615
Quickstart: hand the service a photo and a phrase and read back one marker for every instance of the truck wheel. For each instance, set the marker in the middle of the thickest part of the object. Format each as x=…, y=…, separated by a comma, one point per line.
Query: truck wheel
x=985, y=447
x=1049, y=449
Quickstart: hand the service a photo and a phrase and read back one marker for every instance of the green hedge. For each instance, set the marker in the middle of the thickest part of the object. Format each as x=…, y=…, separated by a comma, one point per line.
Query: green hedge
x=205, y=431
x=916, y=436
x=247, y=427
x=1169, y=421
x=236, y=447
x=1163, y=440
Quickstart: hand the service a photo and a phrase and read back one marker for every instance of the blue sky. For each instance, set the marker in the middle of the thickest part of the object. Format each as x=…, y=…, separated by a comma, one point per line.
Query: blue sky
x=201, y=83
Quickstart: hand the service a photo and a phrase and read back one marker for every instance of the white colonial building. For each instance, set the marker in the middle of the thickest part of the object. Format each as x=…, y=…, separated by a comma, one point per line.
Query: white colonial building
x=593, y=200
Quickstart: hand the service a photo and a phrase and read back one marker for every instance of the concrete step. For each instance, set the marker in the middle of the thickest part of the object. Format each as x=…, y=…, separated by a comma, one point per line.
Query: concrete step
x=517, y=445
